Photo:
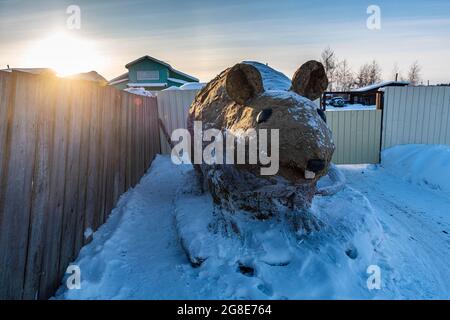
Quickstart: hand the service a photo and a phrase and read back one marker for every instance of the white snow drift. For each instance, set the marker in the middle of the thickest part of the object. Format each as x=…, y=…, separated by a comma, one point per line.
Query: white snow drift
x=421, y=164
x=400, y=225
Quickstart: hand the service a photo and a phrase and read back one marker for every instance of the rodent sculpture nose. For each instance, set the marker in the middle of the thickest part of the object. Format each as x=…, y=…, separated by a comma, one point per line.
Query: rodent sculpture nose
x=316, y=165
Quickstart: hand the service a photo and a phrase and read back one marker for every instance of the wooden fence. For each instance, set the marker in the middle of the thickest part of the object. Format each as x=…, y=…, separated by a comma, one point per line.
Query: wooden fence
x=68, y=150
x=416, y=115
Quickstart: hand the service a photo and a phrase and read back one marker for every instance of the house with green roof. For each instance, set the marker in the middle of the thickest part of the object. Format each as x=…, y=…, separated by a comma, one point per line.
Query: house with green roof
x=151, y=74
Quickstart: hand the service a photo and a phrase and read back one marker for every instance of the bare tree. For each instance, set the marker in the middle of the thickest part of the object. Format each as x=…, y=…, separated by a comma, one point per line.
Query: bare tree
x=374, y=72
x=362, y=77
x=396, y=73
x=344, y=76
x=414, y=73
x=368, y=74
x=329, y=61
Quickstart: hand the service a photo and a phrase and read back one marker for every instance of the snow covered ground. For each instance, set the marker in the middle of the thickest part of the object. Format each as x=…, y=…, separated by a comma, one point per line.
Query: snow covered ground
x=395, y=216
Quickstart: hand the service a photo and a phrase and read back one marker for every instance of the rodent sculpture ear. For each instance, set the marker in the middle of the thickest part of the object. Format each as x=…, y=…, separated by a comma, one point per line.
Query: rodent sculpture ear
x=310, y=80
x=243, y=83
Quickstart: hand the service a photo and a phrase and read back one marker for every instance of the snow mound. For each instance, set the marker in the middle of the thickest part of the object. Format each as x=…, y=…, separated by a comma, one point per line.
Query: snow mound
x=254, y=259
x=193, y=86
x=278, y=86
x=272, y=79
x=139, y=91
x=425, y=165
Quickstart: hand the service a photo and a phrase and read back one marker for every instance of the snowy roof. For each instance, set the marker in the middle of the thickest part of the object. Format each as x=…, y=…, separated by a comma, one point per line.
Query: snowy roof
x=172, y=88
x=32, y=70
x=177, y=80
x=193, y=86
x=163, y=63
x=148, y=84
x=381, y=85
x=111, y=83
x=89, y=76
x=119, y=79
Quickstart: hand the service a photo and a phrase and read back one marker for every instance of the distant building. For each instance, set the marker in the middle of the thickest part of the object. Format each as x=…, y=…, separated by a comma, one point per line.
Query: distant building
x=371, y=95
x=368, y=95
x=89, y=76
x=151, y=74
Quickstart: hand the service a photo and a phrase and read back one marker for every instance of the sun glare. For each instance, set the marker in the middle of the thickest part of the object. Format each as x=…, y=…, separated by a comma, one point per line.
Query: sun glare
x=64, y=53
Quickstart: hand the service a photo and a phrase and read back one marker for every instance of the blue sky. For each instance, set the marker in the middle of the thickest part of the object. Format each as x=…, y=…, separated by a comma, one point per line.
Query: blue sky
x=204, y=37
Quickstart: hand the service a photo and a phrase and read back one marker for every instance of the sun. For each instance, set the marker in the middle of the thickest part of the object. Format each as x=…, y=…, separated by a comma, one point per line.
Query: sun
x=65, y=53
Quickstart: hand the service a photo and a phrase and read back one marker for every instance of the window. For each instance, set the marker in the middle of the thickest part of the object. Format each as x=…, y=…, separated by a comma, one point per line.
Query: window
x=148, y=75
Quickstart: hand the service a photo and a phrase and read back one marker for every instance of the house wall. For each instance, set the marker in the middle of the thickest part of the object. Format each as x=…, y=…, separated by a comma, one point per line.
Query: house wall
x=148, y=65
x=164, y=74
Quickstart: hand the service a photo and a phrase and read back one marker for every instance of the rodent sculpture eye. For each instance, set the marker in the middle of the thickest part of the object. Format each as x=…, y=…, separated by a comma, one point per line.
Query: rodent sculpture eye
x=264, y=115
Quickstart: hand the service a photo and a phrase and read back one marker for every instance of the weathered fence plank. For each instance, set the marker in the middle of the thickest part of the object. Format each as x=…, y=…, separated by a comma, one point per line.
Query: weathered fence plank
x=86, y=113
x=16, y=188
x=40, y=196
x=50, y=263
x=72, y=172
x=5, y=84
x=92, y=185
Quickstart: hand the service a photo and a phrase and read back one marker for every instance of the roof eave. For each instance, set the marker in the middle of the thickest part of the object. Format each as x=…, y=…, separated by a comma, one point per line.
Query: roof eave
x=112, y=83
x=184, y=74
x=121, y=77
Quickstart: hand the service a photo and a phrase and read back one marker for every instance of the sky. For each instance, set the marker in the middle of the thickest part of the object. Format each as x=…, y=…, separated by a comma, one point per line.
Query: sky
x=203, y=37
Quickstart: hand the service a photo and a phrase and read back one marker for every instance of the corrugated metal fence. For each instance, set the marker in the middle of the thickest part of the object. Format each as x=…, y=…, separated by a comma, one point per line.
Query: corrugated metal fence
x=173, y=107
x=416, y=115
x=68, y=150
x=356, y=134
